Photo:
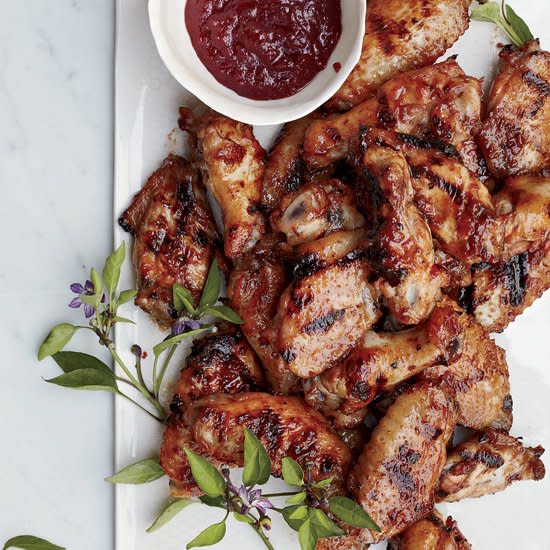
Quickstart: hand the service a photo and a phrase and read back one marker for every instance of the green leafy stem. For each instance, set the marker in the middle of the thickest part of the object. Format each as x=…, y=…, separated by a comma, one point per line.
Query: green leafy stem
x=310, y=510
x=86, y=372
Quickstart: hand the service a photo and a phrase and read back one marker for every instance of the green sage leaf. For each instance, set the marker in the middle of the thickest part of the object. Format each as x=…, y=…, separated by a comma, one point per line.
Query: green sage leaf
x=126, y=295
x=56, y=340
x=324, y=527
x=307, y=536
x=292, y=472
x=295, y=516
x=224, y=313
x=257, y=465
x=119, y=319
x=173, y=340
x=211, y=289
x=183, y=299
x=518, y=24
x=111, y=270
x=95, y=298
x=351, y=513
x=143, y=471
x=208, y=477
x=70, y=361
x=86, y=379
x=169, y=512
x=298, y=498
x=28, y=542
x=216, y=502
x=210, y=536
x=324, y=483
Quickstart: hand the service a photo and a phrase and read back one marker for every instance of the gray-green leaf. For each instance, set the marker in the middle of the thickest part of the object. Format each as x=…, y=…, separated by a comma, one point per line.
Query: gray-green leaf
x=295, y=516
x=224, y=313
x=307, y=536
x=323, y=525
x=351, y=513
x=28, y=542
x=111, y=270
x=143, y=471
x=165, y=344
x=169, y=512
x=207, y=476
x=183, y=299
x=257, y=465
x=292, y=472
x=70, y=361
x=86, y=379
x=95, y=298
x=324, y=483
x=56, y=340
x=126, y=295
x=211, y=289
x=210, y=536
x=242, y=518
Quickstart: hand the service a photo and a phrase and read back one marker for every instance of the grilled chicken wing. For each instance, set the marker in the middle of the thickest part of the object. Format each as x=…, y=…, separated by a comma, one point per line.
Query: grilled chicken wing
x=455, y=203
x=324, y=312
x=515, y=137
x=501, y=292
x=478, y=378
x=380, y=363
x=524, y=203
x=438, y=101
x=286, y=426
x=175, y=237
x=401, y=35
x=285, y=170
x=219, y=363
x=316, y=210
x=232, y=164
x=402, y=251
x=396, y=475
x=254, y=289
x=431, y=533
x=486, y=464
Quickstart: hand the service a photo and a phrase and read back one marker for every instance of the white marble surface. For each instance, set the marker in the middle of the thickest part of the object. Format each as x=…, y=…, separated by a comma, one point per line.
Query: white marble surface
x=56, y=59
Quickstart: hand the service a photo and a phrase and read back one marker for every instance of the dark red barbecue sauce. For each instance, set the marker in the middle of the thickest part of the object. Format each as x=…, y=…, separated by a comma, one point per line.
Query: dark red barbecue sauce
x=264, y=49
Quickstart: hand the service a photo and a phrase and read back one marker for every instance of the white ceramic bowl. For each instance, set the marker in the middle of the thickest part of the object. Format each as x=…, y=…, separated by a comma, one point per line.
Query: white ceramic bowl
x=167, y=19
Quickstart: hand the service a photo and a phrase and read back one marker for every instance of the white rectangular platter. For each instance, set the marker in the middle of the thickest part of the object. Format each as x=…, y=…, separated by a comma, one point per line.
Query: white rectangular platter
x=146, y=104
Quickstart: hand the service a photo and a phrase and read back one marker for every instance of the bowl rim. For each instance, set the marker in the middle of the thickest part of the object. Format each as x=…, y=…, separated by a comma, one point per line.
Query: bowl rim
x=256, y=112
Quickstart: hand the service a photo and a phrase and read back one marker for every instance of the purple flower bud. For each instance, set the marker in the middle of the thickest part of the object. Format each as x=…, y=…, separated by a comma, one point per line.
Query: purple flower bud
x=183, y=324
x=136, y=350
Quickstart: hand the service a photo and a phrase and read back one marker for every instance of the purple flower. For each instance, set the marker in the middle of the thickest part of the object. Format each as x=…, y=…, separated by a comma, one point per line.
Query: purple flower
x=250, y=499
x=183, y=324
x=87, y=290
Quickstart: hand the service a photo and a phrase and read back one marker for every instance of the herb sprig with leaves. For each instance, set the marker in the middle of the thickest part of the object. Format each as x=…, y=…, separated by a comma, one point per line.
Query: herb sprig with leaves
x=309, y=509
x=504, y=16
x=101, y=300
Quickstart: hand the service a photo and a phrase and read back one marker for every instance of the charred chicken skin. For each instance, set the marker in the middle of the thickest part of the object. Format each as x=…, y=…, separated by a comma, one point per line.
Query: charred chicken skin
x=478, y=379
x=316, y=210
x=380, y=363
x=431, y=533
x=254, y=289
x=402, y=251
x=175, y=237
x=400, y=36
x=396, y=476
x=438, y=101
x=286, y=426
x=515, y=137
x=233, y=163
x=486, y=464
x=220, y=363
x=326, y=309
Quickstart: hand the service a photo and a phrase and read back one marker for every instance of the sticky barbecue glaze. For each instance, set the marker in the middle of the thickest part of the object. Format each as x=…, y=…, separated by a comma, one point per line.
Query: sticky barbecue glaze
x=264, y=50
